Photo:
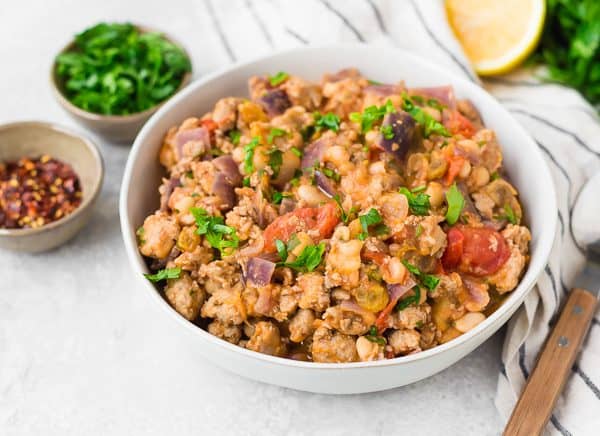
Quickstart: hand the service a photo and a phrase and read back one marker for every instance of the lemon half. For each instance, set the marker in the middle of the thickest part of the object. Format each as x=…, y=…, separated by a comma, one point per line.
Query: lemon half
x=497, y=35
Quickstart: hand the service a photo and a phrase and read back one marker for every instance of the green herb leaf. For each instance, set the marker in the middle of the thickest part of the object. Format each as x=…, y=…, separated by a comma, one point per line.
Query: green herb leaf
x=281, y=249
x=275, y=161
x=115, y=69
x=309, y=259
x=246, y=182
x=428, y=280
x=387, y=132
x=328, y=121
x=279, y=196
x=346, y=216
x=234, y=136
x=417, y=201
x=371, y=115
x=509, y=214
x=373, y=336
x=296, y=151
x=330, y=173
x=408, y=301
x=430, y=125
x=278, y=78
x=249, y=155
x=274, y=133
x=164, y=274
x=456, y=202
x=371, y=218
x=220, y=236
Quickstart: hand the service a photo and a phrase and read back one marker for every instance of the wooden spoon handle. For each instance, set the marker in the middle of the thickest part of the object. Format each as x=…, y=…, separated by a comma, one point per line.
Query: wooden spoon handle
x=553, y=367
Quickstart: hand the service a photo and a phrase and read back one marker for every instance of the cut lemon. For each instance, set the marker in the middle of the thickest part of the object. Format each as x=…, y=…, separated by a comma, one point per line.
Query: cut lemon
x=497, y=35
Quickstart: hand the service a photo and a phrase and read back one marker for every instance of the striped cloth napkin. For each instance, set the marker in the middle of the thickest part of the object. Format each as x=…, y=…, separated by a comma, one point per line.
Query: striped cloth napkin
x=564, y=126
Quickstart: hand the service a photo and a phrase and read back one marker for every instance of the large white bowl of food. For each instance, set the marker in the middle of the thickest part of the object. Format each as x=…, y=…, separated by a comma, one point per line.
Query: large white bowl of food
x=340, y=219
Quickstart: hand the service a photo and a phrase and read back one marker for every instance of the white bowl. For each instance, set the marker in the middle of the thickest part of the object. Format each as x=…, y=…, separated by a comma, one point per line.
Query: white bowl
x=522, y=159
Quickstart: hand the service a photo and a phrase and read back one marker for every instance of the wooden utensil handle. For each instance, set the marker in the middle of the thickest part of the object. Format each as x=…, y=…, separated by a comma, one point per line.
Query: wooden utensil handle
x=553, y=367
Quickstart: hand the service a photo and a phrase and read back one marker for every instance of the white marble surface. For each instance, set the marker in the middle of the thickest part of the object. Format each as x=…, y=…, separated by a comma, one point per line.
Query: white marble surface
x=82, y=353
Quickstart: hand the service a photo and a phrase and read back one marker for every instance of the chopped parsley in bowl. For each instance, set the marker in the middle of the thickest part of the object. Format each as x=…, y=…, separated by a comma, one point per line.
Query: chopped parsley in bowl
x=118, y=71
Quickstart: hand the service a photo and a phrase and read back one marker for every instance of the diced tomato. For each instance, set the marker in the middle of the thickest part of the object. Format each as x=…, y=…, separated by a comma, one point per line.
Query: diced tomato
x=323, y=219
x=458, y=124
x=209, y=124
x=455, y=164
x=475, y=250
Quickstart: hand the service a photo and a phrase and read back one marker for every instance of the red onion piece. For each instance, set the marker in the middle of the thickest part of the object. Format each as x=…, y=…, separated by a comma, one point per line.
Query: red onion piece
x=406, y=135
x=223, y=189
x=313, y=153
x=396, y=292
x=226, y=165
x=185, y=136
x=173, y=183
x=275, y=102
x=352, y=306
x=383, y=90
x=287, y=205
x=325, y=184
x=259, y=271
x=444, y=94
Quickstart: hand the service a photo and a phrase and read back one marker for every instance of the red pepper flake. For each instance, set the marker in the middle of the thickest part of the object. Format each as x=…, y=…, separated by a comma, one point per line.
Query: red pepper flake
x=37, y=191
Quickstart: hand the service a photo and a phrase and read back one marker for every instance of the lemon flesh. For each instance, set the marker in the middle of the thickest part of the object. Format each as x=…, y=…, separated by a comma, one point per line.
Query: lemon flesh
x=496, y=35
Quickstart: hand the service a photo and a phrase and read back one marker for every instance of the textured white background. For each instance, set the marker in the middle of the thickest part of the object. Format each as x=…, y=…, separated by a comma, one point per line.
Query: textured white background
x=81, y=351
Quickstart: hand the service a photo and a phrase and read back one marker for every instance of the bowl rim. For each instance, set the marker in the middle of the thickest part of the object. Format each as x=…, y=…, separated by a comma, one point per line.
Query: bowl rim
x=93, y=116
x=510, y=305
x=96, y=188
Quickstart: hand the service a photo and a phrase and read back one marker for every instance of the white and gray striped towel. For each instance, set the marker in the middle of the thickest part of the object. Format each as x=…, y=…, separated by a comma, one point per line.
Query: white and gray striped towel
x=565, y=127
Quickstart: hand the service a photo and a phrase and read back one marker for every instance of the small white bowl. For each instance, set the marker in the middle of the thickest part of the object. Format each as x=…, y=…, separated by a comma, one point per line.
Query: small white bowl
x=523, y=161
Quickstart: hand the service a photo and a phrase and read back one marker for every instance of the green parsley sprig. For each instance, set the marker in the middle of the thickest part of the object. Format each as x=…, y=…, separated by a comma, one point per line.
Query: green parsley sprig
x=371, y=115
x=418, y=202
x=430, y=125
x=249, y=155
x=372, y=219
x=278, y=78
x=220, y=236
x=308, y=260
x=327, y=121
x=456, y=202
x=164, y=274
x=428, y=280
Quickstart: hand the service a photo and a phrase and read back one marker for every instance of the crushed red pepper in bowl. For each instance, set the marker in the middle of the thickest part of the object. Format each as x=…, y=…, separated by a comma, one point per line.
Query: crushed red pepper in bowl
x=37, y=191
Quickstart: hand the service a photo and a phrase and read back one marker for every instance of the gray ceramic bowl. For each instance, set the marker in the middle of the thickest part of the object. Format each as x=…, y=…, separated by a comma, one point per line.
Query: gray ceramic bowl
x=116, y=128
x=33, y=139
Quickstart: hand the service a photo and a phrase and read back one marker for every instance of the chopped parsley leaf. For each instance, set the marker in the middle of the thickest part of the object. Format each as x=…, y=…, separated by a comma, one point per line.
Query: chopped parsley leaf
x=189, y=174
x=509, y=214
x=428, y=280
x=281, y=249
x=274, y=133
x=234, y=136
x=249, y=155
x=278, y=78
x=296, y=151
x=279, y=196
x=387, y=132
x=417, y=201
x=164, y=274
x=456, y=202
x=331, y=174
x=494, y=176
x=308, y=260
x=246, y=182
x=371, y=218
x=275, y=161
x=220, y=236
x=430, y=125
x=413, y=299
x=373, y=336
x=371, y=115
x=328, y=121
x=346, y=216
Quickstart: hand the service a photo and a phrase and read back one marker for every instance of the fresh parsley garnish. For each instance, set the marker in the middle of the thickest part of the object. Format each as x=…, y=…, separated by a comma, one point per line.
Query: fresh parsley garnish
x=387, y=132
x=296, y=179
x=249, y=155
x=430, y=125
x=140, y=232
x=246, y=182
x=432, y=102
x=509, y=214
x=279, y=196
x=428, y=280
x=189, y=174
x=234, y=136
x=494, y=176
x=418, y=202
x=370, y=219
x=373, y=336
x=164, y=274
x=456, y=202
x=413, y=299
x=274, y=133
x=328, y=121
x=371, y=115
x=346, y=216
x=296, y=151
x=116, y=69
x=220, y=236
x=331, y=174
x=278, y=78
x=308, y=260
x=281, y=249
x=275, y=161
